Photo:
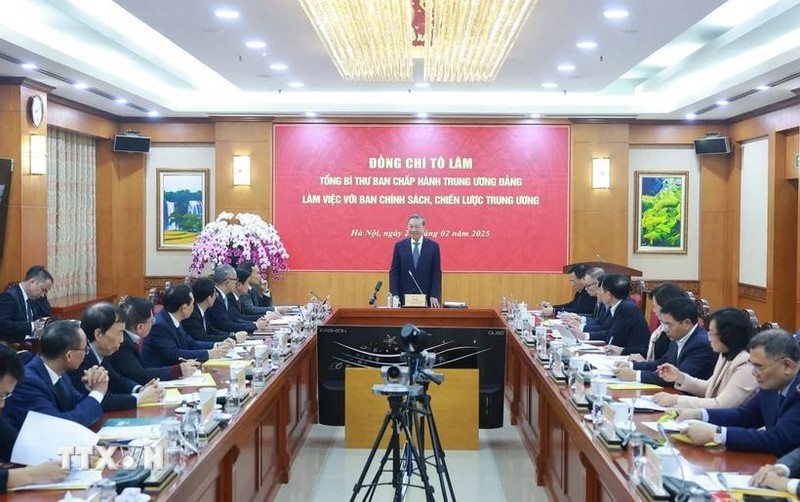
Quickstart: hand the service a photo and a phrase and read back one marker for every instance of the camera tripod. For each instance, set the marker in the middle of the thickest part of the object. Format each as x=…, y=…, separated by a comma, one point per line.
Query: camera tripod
x=404, y=418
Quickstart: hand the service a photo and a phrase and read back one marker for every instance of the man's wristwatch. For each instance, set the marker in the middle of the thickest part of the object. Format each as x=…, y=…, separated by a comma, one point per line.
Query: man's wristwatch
x=718, y=435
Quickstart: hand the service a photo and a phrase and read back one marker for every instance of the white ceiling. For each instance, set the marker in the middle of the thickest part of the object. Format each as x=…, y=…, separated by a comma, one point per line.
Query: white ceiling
x=180, y=60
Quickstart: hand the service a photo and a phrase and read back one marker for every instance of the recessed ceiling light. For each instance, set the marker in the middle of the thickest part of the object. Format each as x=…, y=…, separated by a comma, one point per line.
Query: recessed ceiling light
x=566, y=67
x=615, y=14
x=255, y=44
x=81, y=85
x=691, y=116
x=278, y=67
x=29, y=66
x=549, y=85
x=422, y=85
x=152, y=113
x=120, y=101
x=586, y=44
x=227, y=14
x=722, y=102
x=296, y=85
x=422, y=115
x=536, y=115
x=762, y=87
x=311, y=114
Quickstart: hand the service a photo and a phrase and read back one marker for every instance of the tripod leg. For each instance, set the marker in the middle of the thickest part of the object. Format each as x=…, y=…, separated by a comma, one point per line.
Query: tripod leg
x=360, y=483
x=419, y=461
x=438, y=452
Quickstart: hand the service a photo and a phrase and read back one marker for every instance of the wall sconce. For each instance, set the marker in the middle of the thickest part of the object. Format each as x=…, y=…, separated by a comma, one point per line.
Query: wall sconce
x=38, y=154
x=601, y=172
x=241, y=170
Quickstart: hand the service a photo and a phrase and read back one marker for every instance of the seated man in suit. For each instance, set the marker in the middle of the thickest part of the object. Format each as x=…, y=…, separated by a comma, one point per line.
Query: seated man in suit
x=628, y=328
x=11, y=372
x=103, y=325
x=168, y=343
x=782, y=475
x=47, y=389
x=258, y=299
x=582, y=303
x=22, y=307
x=238, y=293
x=689, y=348
x=219, y=315
x=769, y=422
x=196, y=325
x=127, y=360
x=598, y=324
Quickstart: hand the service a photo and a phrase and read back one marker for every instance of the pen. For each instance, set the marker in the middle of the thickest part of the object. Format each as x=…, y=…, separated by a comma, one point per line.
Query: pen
x=723, y=481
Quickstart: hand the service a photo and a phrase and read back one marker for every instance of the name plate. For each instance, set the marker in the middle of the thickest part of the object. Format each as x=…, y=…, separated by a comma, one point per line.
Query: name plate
x=415, y=301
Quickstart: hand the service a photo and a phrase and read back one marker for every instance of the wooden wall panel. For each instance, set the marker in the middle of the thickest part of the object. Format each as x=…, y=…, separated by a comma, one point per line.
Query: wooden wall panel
x=172, y=132
x=790, y=150
x=676, y=134
x=244, y=138
x=69, y=118
x=596, y=209
x=784, y=247
x=716, y=209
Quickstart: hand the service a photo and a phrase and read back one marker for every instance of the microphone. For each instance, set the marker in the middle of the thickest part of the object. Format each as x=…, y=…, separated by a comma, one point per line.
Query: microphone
x=600, y=257
x=374, y=296
x=415, y=281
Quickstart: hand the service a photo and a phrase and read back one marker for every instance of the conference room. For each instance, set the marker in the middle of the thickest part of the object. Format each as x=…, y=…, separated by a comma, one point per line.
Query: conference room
x=453, y=155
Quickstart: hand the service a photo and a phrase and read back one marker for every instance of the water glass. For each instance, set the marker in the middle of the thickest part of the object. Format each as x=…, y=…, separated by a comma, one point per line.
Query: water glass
x=637, y=446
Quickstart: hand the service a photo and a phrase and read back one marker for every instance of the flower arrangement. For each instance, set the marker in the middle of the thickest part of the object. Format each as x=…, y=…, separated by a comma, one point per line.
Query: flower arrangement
x=236, y=238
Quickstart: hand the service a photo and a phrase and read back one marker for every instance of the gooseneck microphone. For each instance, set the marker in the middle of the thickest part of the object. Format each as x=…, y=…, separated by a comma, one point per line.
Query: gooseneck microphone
x=415, y=282
x=374, y=296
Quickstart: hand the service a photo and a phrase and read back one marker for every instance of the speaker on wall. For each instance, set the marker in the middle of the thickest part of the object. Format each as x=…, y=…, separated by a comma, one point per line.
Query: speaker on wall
x=712, y=145
x=129, y=143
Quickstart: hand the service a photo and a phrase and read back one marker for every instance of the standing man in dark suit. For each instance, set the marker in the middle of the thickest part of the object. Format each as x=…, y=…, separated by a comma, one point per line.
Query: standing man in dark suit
x=768, y=422
x=103, y=325
x=22, y=306
x=416, y=258
x=219, y=315
x=11, y=372
x=689, y=349
x=168, y=343
x=196, y=325
x=127, y=360
x=47, y=389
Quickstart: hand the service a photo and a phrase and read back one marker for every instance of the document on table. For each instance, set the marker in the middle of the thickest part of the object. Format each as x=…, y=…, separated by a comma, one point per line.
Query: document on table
x=711, y=481
x=643, y=403
x=669, y=425
x=172, y=397
x=41, y=436
x=196, y=380
x=602, y=362
x=75, y=480
x=109, y=433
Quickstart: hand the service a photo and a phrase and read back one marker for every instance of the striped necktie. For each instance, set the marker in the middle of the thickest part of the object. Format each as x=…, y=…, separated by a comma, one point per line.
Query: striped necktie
x=415, y=253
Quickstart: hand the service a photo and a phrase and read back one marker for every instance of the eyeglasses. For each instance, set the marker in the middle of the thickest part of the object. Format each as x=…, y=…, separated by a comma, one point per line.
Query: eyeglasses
x=5, y=395
x=759, y=368
x=590, y=284
x=85, y=350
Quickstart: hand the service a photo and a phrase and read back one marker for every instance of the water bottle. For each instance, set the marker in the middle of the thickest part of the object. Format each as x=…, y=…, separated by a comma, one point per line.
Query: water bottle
x=258, y=371
x=388, y=300
x=276, y=358
x=232, y=403
x=189, y=426
x=504, y=305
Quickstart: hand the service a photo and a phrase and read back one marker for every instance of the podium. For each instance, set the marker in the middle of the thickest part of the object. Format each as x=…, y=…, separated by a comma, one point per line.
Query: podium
x=368, y=338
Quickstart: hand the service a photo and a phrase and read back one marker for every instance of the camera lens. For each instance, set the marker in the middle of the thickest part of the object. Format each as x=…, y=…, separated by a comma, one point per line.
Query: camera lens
x=393, y=374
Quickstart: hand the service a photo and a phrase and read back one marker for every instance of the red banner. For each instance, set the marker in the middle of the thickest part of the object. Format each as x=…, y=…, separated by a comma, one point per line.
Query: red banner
x=496, y=198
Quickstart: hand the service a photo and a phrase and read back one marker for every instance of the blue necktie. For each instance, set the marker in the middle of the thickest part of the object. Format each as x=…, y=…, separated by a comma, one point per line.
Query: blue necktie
x=415, y=253
x=29, y=308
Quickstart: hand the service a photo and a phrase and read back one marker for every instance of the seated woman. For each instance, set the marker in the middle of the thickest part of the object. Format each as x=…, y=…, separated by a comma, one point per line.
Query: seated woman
x=659, y=341
x=729, y=332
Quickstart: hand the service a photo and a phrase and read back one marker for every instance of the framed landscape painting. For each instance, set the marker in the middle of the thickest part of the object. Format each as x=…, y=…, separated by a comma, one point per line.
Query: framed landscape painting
x=182, y=207
x=661, y=216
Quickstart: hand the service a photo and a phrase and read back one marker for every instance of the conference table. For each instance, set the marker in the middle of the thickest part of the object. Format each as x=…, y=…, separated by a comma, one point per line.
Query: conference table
x=571, y=462
x=253, y=454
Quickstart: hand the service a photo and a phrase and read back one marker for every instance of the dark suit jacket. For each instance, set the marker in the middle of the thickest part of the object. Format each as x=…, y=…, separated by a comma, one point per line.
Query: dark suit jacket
x=428, y=272
x=166, y=343
x=696, y=359
x=118, y=397
x=36, y=392
x=261, y=300
x=14, y=324
x=582, y=303
x=127, y=361
x=221, y=319
x=202, y=331
x=8, y=436
x=781, y=426
x=629, y=329
x=236, y=310
x=792, y=461
x=249, y=305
